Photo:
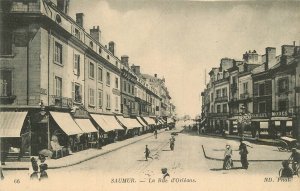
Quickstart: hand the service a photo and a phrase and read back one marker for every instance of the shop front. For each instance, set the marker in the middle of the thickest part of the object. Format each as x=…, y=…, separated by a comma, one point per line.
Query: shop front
x=132, y=126
x=282, y=123
x=109, y=128
x=261, y=125
x=151, y=122
x=66, y=135
x=144, y=128
x=15, y=135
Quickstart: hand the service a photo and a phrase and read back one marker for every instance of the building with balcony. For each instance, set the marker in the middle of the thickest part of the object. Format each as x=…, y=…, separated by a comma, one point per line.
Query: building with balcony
x=283, y=117
x=55, y=75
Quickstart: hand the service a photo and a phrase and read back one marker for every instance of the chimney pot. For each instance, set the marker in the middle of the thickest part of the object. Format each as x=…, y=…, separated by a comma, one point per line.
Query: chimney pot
x=124, y=60
x=111, y=47
x=95, y=33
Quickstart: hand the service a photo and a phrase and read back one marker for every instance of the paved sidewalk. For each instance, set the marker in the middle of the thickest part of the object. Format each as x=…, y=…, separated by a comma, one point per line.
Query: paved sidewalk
x=81, y=156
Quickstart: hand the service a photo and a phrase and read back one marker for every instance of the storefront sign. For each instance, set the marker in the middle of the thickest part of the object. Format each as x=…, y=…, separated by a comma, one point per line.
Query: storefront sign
x=259, y=115
x=282, y=113
x=81, y=113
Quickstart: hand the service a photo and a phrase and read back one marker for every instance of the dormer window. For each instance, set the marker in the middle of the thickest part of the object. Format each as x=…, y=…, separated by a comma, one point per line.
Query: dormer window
x=100, y=50
x=107, y=57
x=91, y=44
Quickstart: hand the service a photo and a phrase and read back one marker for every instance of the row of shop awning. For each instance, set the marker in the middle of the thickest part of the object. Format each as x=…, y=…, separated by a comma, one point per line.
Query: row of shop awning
x=129, y=123
x=11, y=123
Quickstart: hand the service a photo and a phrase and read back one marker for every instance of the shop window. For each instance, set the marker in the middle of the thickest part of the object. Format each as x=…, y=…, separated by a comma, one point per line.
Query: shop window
x=5, y=83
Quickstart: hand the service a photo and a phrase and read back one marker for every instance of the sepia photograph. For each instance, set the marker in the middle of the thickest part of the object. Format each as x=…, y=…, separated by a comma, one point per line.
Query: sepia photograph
x=149, y=95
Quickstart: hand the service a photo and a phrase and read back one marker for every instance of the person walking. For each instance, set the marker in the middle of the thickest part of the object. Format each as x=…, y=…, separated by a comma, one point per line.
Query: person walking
x=243, y=152
x=227, y=164
x=147, y=153
x=43, y=167
x=155, y=133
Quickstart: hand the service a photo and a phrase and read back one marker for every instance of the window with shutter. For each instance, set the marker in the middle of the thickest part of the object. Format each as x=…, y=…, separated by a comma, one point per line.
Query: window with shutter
x=255, y=89
x=268, y=87
x=73, y=91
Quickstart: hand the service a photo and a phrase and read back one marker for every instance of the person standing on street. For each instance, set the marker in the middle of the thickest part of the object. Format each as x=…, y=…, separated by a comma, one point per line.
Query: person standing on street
x=227, y=164
x=147, y=153
x=243, y=152
x=155, y=133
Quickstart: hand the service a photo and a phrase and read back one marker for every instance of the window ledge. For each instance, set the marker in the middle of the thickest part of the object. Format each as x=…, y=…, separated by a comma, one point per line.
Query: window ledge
x=7, y=56
x=59, y=64
x=90, y=105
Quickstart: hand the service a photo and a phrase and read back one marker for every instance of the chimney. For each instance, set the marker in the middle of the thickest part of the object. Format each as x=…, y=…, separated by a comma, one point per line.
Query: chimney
x=95, y=33
x=79, y=19
x=270, y=57
x=136, y=69
x=124, y=60
x=111, y=47
x=63, y=5
x=155, y=75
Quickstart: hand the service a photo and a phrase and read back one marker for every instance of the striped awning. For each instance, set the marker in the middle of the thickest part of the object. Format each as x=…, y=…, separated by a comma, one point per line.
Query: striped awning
x=149, y=120
x=141, y=121
x=86, y=125
x=66, y=123
x=107, y=122
x=129, y=123
x=11, y=123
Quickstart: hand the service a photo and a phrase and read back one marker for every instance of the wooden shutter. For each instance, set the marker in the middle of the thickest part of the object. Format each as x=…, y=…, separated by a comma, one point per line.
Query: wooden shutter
x=73, y=91
x=268, y=87
x=255, y=89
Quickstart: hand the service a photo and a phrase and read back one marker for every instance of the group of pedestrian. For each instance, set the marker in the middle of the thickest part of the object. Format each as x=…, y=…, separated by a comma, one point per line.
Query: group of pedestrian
x=38, y=168
x=243, y=151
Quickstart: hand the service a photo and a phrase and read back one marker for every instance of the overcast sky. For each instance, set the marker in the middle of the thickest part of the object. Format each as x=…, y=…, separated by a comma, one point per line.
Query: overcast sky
x=179, y=40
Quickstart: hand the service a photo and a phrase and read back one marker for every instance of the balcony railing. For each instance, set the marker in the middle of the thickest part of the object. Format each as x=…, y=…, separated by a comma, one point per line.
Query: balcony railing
x=58, y=101
x=244, y=96
x=218, y=114
x=221, y=99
